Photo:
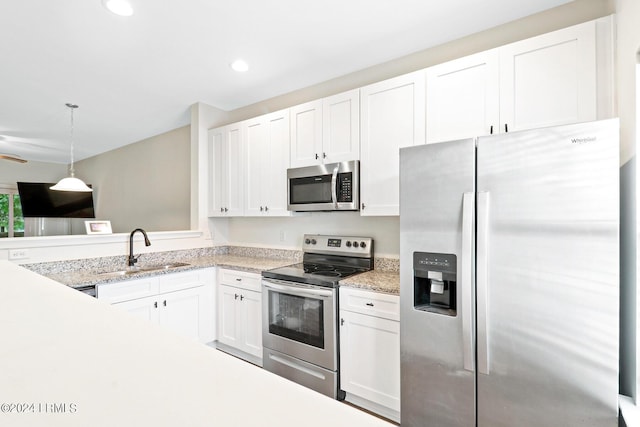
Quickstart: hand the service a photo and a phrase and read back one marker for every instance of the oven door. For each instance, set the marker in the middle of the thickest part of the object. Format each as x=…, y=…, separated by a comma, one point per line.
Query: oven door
x=300, y=321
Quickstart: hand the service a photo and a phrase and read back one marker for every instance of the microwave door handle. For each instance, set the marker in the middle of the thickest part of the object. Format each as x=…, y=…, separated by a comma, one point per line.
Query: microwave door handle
x=334, y=182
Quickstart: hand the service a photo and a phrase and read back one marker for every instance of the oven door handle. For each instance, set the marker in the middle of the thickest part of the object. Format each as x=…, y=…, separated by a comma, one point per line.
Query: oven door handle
x=299, y=291
x=334, y=188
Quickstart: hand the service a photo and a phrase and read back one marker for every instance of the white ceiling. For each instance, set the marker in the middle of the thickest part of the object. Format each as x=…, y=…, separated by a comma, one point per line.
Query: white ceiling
x=137, y=77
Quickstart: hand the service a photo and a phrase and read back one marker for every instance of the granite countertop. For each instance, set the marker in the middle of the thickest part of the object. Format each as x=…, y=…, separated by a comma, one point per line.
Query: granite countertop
x=375, y=280
x=94, y=271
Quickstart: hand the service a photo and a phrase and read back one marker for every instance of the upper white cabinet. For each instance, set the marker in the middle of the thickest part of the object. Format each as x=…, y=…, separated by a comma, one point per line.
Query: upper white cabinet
x=226, y=169
x=392, y=117
x=326, y=130
x=267, y=160
x=556, y=78
x=463, y=97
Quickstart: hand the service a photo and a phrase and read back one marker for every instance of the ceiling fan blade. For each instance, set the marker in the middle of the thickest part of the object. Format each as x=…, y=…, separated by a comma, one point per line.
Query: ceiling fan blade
x=12, y=158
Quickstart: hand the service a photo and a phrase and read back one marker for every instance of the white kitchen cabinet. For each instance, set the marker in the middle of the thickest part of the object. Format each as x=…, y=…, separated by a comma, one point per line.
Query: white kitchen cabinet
x=226, y=169
x=326, y=130
x=556, y=78
x=267, y=160
x=240, y=312
x=392, y=117
x=182, y=302
x=463, y=97
x=370, y=350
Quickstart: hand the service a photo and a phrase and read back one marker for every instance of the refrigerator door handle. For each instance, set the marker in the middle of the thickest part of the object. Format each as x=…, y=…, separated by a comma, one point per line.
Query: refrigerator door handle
x=482, y=290
x=466, y=284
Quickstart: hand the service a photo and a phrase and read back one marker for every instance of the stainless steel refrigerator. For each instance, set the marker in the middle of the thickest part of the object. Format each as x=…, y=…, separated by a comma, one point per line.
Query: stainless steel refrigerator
x=509, y=279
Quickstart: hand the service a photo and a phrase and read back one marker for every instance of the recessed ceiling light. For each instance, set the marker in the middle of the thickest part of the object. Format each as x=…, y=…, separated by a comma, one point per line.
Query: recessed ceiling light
x=239, y=65
x=119, y=7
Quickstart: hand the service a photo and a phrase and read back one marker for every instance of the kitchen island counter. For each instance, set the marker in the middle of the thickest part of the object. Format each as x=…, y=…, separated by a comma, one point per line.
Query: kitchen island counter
x=72, y=361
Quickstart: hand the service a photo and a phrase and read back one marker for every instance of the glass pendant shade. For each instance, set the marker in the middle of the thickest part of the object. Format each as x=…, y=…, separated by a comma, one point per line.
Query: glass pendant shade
x=71, y=183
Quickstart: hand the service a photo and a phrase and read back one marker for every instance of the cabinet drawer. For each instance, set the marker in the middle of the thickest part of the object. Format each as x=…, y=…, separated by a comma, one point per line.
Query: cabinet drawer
x=371, y=303
x=127, y=290
x=240, y=279
x=177, y=281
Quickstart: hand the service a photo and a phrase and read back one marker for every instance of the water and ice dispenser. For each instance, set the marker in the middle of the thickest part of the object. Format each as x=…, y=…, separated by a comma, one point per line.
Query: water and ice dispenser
x=434, y=282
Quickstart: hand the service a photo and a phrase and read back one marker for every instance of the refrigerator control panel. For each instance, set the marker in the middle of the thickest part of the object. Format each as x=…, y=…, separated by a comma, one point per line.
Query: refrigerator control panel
x=434, y=282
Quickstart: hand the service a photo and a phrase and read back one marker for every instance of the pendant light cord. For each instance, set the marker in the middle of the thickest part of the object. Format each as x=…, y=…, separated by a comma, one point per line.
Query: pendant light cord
x=71, y=168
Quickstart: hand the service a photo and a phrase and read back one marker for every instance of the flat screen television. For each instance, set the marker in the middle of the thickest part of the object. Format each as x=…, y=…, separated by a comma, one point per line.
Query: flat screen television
x=38, y=200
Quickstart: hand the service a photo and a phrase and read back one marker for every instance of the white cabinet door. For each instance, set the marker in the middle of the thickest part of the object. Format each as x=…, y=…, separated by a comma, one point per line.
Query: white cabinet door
x=267, y=149
x=144, y=308
x=228, y=316
x=550, y=79
x=463, y=98
x=251, y=321
x=240, y=319
x=370, y=358
x=326, y=130
x=392, y=117
x=306, y=134
x=185, y=312
x=341, y=127
x=226, y=168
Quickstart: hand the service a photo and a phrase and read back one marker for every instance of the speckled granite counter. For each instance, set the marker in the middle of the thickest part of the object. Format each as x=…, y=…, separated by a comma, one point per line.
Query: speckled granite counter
x=93, y=271
x=385, y=277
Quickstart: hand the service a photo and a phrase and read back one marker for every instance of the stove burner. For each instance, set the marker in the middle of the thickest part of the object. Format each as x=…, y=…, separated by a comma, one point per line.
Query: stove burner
x=328, y=270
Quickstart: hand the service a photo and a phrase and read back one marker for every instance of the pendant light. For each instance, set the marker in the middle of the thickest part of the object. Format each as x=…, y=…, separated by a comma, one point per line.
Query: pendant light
x=71, y=183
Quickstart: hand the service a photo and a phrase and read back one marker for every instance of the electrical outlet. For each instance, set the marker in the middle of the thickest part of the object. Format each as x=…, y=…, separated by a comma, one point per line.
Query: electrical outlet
x=18, y=254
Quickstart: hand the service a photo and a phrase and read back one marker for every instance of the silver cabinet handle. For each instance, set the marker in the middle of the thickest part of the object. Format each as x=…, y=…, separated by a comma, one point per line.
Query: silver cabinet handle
x=363, y=206
x=164, y=303
x=226, y=210
x=241, y=297
x=482, y=284
x=235, y=296
x=266, y=208
x=317, y=157
x=466, y=281
x=341, y=322
x=261, y=209
x=324, y=155
x=155, y=304
x=221, y=209
x=370, y=304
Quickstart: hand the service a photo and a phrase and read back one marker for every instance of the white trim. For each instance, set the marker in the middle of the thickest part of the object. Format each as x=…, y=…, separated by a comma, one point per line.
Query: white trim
x=81, y=239
x=630, y=412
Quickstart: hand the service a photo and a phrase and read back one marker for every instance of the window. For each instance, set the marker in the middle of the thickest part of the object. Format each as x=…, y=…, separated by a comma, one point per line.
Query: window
x=11, y=220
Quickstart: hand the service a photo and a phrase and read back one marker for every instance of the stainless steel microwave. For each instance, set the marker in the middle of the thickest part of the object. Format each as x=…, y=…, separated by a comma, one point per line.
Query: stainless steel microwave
x=329, y=187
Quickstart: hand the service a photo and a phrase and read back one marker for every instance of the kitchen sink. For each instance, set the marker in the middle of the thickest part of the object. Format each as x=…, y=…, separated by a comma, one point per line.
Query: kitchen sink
x=141, y=269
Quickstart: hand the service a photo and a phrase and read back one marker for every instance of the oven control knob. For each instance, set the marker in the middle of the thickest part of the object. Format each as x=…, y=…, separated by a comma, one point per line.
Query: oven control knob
x=363, y=245
x=307, y=241
x=355, y=244
x=348, y=243
x=313, y=241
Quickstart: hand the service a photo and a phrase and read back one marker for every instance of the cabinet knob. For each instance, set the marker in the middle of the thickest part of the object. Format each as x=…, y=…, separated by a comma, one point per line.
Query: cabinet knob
x=261, y=209
x=317, y=156
x=226, y=210
x=238, y=279
x=363, y=206
x=341, y=321
x=266, y=208
x=164, y=303
x=235, y=296
x=241, y=297
x=155, y=304
x=221, y=209
x=324, y=155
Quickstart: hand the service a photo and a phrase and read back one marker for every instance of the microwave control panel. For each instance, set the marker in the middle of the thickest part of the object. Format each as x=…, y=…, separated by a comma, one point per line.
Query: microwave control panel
x=345, y=184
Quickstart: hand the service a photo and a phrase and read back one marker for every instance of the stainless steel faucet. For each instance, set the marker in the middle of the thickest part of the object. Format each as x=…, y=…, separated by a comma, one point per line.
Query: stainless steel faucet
x=132, y=260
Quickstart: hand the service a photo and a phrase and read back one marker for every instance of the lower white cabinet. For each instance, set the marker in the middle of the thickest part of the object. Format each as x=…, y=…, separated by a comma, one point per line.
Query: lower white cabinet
x=181, y=302
x=240, y=311
x=370, y=350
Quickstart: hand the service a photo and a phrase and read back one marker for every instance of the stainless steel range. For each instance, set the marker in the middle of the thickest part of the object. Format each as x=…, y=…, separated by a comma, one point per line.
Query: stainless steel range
x=300, y=310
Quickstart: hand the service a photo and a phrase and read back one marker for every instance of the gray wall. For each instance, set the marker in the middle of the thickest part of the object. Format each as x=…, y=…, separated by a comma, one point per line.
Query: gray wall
x=145, y=184
x=12, y=172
